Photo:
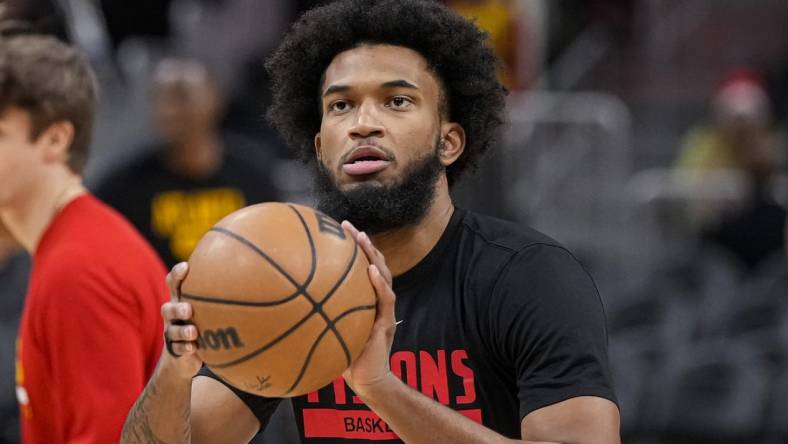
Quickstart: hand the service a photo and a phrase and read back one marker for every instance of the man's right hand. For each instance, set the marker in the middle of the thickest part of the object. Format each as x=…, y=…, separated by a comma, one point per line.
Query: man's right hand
x=179, y=331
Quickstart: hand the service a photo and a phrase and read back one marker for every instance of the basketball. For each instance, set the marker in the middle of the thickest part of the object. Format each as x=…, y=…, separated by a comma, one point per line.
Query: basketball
x=282, y=299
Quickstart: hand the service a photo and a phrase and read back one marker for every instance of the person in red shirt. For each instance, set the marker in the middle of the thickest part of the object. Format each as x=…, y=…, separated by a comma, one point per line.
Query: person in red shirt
x=90, y=334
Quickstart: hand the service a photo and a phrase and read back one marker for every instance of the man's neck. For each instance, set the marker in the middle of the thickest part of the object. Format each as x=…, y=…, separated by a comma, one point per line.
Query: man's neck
x=405, y=247
x=29, y=217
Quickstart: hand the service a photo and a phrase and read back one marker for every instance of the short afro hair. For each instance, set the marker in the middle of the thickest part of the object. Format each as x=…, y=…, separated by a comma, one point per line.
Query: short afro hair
x=455, y=49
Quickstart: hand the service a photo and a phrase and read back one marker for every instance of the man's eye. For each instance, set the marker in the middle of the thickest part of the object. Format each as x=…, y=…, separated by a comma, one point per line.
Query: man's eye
x=339, y=106
x=400, y=102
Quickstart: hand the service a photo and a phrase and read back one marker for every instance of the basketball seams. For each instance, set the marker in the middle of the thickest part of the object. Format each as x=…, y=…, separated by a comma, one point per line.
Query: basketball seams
x=300, y=290
x=299, y=323
x=209, y=300
x=342, y=278
x=260, y=253
x=320, y=338
x=319, y=306
x=331, y=324
x=308, y=359
x=264, y=348
x=312, y=251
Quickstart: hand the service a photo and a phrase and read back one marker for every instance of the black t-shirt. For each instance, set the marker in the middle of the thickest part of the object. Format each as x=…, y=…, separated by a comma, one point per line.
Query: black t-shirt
x=498, y=321
x=173, y=212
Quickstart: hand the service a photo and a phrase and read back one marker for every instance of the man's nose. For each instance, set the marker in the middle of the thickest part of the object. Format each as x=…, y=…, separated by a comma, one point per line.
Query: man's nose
x=367, y=122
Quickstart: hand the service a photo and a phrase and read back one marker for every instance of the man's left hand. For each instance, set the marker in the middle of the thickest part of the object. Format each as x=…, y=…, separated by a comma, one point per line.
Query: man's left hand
x=371, y=367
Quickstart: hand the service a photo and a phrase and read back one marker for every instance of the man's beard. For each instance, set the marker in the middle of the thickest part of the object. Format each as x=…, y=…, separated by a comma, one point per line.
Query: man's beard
x=375, y=208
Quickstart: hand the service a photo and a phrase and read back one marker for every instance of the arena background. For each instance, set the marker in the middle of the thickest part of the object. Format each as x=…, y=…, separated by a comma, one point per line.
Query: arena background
x=606, y=100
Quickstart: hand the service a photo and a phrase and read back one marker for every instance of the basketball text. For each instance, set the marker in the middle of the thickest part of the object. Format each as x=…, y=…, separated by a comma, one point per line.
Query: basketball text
x=327, y=225
x=260, y=385
x=222, y=338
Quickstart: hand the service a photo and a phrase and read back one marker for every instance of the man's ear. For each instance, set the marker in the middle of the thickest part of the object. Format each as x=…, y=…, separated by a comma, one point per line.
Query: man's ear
x=318, y=147
x=56, y=141
x=452, y=143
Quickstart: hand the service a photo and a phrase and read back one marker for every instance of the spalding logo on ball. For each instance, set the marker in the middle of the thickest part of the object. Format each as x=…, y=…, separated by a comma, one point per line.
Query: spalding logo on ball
x=282, y=299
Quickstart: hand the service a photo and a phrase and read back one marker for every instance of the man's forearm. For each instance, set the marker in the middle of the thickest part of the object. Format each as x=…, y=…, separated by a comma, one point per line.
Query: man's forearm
x=162, y=413
x=418, y=419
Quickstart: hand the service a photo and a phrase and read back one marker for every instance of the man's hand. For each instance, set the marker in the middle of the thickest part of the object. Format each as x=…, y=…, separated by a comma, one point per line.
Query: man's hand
x=371, y=367
x=180, y=334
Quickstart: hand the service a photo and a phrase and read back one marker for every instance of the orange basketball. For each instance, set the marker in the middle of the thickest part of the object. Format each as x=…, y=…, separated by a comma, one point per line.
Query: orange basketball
x=282, y=299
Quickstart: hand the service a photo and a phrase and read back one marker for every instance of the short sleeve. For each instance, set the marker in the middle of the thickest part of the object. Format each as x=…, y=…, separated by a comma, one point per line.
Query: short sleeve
x=261, y=407
x=549, y=324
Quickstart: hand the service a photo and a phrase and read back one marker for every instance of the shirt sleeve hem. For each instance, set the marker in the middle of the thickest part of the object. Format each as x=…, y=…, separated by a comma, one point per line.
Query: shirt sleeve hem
x=556, y=396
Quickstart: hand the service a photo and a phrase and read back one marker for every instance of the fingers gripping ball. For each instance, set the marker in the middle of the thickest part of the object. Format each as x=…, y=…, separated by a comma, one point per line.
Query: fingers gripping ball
x=282, y=299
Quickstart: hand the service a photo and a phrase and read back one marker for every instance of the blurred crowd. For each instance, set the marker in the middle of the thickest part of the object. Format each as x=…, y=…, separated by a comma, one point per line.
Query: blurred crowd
x=690, y=255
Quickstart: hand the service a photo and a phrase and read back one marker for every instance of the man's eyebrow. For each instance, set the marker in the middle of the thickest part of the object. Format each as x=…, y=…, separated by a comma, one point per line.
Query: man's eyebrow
x=399, y=84
x=390, y=84
x=335, y=89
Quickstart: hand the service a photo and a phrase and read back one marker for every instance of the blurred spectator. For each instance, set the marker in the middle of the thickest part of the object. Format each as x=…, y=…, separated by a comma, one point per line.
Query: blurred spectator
x=739, y=135
x=196, y=175
x=14, y=271
x=740, y=139
x=92, y=272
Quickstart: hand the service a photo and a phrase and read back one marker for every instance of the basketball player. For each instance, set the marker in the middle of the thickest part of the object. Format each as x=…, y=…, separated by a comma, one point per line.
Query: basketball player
x=503, y=330
x=89, y=338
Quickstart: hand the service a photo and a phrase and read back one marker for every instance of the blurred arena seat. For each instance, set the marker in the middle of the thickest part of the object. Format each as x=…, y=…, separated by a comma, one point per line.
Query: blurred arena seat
x=709, y=390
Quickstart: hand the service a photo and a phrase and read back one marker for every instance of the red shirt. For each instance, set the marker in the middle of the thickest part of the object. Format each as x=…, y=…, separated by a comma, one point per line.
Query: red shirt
x=91, y=332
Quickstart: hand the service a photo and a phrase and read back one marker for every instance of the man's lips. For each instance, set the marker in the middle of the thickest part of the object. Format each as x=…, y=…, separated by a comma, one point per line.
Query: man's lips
x=364, y=167
x=365, y=160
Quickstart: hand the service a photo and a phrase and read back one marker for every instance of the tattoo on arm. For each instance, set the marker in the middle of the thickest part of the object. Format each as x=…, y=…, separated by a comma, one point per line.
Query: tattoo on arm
x=186, y=431
x=137, y=429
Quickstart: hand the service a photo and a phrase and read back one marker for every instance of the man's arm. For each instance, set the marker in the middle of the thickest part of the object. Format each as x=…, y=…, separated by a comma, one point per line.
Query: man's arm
x=173, y=409
x=162, y=413
x=585, y=419
x=418, y=419
x=176, y=407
